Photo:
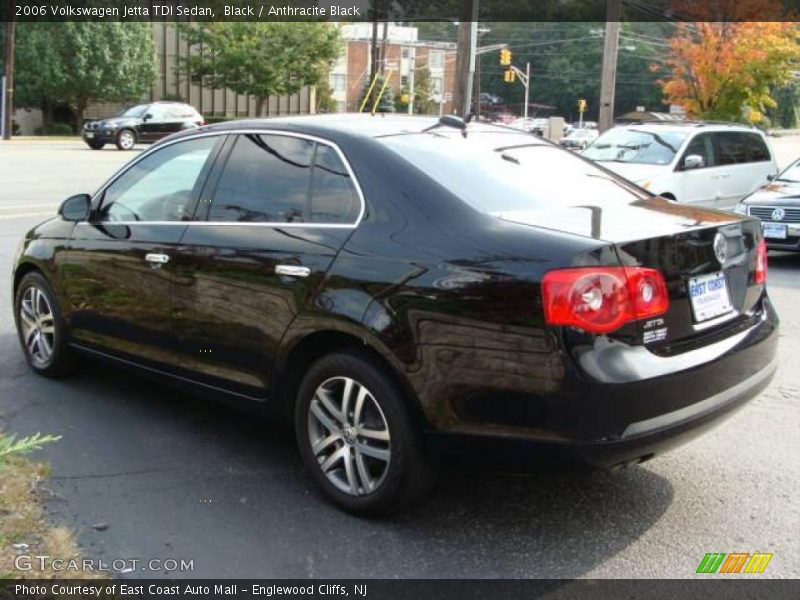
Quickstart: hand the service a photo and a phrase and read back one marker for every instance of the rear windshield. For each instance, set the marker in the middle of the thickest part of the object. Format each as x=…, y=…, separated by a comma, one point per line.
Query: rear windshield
x=497, y=173
x=636, y=146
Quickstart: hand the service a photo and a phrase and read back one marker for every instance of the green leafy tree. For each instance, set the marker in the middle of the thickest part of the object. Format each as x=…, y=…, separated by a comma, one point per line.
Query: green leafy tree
x=324, y=98
x=423, y=92
x=40, y=73
x=261, y=59
x=78, y=63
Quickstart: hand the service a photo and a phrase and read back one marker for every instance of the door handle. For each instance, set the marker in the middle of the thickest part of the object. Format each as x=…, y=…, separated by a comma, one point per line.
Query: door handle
x=292, y=270
x=156, y=260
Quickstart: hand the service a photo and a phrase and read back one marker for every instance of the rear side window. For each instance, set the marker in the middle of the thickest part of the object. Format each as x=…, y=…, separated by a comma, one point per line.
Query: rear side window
x=735, y=147
x=274, y=178
x=265, y=180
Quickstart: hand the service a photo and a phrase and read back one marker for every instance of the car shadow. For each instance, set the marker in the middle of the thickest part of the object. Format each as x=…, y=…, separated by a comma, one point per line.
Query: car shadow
x=174, y=476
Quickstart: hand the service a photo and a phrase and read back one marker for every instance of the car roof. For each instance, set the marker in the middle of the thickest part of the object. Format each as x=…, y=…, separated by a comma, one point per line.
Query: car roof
x=362, y=124
x=688, y=126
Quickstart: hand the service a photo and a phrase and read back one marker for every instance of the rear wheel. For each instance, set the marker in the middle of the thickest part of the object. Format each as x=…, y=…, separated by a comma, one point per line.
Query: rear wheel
x=356, y=437
x=40, y=327
x=126, y=139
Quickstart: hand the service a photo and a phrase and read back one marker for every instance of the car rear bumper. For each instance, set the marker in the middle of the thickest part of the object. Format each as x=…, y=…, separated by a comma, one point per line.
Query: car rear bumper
x=608, y=424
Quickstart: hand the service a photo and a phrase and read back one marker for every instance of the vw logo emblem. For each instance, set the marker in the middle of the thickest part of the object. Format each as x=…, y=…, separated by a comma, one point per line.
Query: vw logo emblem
x=721, y=248
x=778, y=214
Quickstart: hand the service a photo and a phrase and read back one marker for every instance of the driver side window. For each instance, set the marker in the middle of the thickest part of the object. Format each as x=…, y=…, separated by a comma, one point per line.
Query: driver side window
x=162, y=186
x=702, y=145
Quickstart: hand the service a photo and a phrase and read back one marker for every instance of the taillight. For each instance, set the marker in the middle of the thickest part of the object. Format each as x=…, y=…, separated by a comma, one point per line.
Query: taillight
x=603, y=299
x=761, y=262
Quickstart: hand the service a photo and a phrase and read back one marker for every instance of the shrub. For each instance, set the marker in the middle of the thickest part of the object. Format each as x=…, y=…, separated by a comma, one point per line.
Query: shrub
x=10, y=446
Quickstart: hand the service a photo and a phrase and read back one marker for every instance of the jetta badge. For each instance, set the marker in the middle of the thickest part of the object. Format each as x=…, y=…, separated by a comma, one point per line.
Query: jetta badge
x=778, y=214
x=721, y=248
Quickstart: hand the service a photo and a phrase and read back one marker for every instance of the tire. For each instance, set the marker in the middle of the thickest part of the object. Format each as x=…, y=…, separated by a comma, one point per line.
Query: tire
x=41, y=328
x=396, y=472
x=126, y=139
x=96, y=145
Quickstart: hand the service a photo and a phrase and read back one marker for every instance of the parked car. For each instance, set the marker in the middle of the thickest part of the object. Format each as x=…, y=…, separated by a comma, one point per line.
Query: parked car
x=777, y=205
x=143, y=123
x=579, y=139
x=706, y=164
x=395, y=286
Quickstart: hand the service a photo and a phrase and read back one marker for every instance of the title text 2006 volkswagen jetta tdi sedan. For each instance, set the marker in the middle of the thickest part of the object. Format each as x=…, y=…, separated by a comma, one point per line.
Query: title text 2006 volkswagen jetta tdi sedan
x=393, y=283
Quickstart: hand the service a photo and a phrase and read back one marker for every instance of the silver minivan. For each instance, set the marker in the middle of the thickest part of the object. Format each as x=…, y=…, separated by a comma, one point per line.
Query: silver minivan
x=707, y=164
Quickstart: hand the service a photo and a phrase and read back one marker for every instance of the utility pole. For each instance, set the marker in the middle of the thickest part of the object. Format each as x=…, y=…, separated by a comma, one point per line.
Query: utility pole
x=609, y=76
x=8, y=72
x=373, y=71
x=465, y=60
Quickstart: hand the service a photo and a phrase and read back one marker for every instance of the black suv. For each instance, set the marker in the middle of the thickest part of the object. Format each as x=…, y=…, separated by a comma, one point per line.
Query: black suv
x=141, y=123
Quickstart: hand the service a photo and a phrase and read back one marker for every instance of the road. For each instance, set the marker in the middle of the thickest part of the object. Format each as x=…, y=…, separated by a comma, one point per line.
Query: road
x=177, y=477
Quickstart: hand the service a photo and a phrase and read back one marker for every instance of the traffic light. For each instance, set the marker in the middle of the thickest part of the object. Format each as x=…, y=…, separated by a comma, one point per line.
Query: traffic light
x=509, y=76
x=505, y=57
x=582, y=105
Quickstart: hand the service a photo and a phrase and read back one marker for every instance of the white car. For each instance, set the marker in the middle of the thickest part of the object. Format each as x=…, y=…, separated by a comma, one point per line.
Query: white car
x=707, y=164
x=579, y=139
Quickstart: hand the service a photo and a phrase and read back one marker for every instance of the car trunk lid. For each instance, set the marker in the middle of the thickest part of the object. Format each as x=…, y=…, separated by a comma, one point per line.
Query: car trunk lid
x=707, y=258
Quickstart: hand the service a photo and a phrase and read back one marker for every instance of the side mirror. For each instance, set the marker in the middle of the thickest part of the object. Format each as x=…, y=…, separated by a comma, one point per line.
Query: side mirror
x=147, y=117
x=693, y=161
x=772, y=177
x=76, y=208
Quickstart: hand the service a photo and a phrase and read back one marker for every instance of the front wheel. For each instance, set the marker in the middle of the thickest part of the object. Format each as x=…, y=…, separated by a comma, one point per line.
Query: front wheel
x=41, y=328
x=356, y=437
x=126, y=139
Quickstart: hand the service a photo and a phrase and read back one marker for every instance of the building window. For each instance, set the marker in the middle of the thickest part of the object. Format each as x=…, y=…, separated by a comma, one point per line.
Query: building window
x=404, y=80
x=406, y=52
x=437, y=85
x=337, y=81
x=436, y=59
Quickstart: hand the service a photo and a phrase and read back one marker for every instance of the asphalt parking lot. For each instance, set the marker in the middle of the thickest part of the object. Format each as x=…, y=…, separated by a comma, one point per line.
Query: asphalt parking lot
x=176, y=477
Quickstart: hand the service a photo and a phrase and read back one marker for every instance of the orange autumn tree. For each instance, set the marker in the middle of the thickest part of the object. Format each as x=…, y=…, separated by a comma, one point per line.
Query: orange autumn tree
x=724, y=65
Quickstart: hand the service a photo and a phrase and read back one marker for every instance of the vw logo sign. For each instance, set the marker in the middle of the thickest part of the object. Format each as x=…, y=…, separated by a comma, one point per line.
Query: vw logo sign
x=721, y=248
x=778, y=214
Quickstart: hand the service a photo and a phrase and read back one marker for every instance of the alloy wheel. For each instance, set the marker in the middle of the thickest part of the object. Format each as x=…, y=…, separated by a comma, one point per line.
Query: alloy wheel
x=349, y=436
x=126, y=140
x=38, y=325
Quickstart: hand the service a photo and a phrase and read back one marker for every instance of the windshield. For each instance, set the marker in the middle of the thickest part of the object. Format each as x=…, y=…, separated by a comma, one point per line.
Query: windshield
x=134, y=111
x=636, y=146
x=791, y=174
x=503, y=172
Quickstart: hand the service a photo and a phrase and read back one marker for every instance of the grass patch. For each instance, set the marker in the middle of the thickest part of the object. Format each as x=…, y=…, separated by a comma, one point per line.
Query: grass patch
x=22, y=521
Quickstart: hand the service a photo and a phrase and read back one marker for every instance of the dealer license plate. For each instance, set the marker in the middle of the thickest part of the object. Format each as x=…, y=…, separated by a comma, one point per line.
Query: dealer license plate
x=774, y=230
x=709, y=295
x=89, y=135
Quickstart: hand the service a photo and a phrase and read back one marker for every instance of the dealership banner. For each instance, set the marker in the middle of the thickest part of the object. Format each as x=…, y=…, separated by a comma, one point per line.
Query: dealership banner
x=400, y=10
x=414, y=589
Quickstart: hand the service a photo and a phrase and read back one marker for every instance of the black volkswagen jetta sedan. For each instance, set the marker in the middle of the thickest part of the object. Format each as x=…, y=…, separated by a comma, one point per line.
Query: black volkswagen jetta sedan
x=143, y=123
x=393, y=285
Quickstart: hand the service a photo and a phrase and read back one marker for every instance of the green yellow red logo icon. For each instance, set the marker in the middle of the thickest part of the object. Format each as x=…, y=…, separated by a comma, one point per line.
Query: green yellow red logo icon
x=735, y=562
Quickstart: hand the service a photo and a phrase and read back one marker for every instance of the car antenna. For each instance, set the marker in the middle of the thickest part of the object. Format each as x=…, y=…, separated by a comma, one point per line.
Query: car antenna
x=450, y=121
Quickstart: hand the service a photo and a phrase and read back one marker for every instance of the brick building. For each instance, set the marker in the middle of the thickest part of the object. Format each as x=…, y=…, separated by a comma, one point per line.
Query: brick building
x=404, y=55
